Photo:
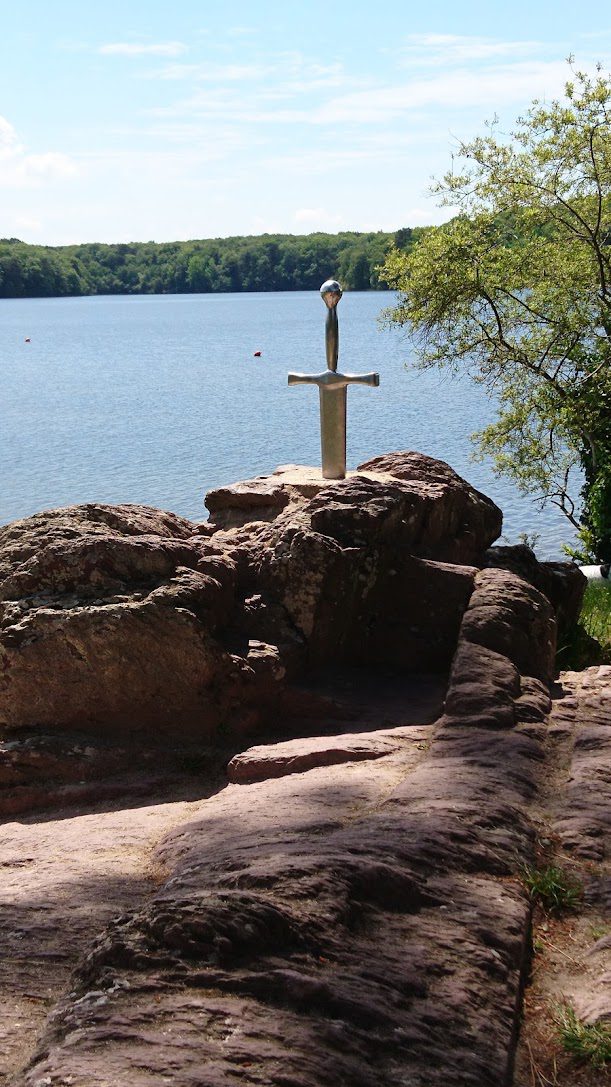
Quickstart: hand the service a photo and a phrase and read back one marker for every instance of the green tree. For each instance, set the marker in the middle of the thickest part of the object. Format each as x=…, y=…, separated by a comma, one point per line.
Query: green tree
x=517, y=290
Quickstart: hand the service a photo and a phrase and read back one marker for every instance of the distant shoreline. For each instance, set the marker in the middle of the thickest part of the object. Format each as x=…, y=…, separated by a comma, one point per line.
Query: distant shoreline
x=240, y=265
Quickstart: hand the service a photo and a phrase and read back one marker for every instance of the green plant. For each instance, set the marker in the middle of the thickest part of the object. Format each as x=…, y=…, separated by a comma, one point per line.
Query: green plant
x=554, y=889
x=516, y=291
x=589, y=640
x=596, y=613
x=584, y=1041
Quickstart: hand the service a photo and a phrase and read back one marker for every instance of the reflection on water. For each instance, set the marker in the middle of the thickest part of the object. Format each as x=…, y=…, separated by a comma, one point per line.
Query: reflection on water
x=157, y=399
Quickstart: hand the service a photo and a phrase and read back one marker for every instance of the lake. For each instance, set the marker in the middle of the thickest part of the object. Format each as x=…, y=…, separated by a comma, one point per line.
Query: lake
x=157, y=399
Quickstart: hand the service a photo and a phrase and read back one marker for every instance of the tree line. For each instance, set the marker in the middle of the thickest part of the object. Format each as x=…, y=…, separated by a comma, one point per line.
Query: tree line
x=270, y=262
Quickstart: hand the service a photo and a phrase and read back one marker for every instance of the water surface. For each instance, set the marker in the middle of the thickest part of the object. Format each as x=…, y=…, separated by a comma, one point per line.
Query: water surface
x=156, y=399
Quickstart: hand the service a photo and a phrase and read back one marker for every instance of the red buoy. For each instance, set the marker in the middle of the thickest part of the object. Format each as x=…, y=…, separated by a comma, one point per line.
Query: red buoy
x=257, y=354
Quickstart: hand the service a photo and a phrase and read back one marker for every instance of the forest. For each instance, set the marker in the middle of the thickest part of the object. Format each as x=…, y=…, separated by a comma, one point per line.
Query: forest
x=269, y=262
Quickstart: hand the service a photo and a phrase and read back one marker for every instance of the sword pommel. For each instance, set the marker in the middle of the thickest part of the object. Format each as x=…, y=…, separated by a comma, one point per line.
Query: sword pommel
x=331, y=293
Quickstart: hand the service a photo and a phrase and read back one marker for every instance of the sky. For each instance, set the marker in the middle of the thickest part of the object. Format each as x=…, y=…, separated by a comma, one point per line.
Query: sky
x=137, y=121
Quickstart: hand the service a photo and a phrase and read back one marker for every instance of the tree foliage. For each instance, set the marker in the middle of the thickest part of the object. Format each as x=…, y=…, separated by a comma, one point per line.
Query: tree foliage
x=517, y=290
x=282, y=262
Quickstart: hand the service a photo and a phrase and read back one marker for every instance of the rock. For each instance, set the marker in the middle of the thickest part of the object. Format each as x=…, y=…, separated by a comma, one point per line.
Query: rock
x=401, y=611
x=482, y=689
x=459, y=519
x=299, y=756
x=127, y=620
x=107, y=622
x=508, y=615
x=561, y=582
x=262, y=498
x=534, y=702
x=422, y=503
x=349, y=925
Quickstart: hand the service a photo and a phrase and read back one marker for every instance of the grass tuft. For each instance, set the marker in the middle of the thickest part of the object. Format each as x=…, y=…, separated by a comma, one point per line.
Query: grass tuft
x=589, y=1042
x=552, y=888
x=589, y=641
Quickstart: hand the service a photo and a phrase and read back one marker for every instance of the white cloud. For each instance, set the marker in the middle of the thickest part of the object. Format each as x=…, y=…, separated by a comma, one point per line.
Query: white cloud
x=27, y=223
x=135, y=49
x=49, y=164
x=8, y=136
x=435, y=49
x=20, y=168
x=487, y=88
x=243, y=94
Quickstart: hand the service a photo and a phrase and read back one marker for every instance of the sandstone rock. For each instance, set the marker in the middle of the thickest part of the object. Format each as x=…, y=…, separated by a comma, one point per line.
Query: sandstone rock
x=458, y=521
x=366, y=604
x=126, y=618
x=421, y=502
x=561, y=582
x=482, y=689
x=511, y=617
x=262, y=498
x=344, y=926
x=107, y=621
x=585, y=824
x=299, y=756
x=534, y=702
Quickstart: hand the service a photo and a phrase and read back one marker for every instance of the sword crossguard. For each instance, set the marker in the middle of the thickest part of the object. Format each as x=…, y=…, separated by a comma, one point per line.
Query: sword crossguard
x=332, y=379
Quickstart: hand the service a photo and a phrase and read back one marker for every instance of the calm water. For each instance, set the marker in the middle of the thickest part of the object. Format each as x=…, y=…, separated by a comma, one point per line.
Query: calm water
x=158, y=399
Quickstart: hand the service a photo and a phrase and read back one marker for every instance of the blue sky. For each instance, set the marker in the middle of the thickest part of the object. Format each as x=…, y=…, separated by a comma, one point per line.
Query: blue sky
x=137, y=121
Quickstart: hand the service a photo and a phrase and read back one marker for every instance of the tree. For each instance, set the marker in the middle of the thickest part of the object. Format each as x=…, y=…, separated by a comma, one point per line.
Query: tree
x=517, y=290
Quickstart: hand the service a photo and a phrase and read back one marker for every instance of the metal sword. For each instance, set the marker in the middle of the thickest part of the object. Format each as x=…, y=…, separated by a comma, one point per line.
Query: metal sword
x=332, y=390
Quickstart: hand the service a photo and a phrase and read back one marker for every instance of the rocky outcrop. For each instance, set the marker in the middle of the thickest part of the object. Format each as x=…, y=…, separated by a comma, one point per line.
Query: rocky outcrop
x=352, y=925
x=561, y=582
x=133, y=626
x=358, y=923
x=349, y=911
x=505, y=656
x=427, y=508
x=129, y=619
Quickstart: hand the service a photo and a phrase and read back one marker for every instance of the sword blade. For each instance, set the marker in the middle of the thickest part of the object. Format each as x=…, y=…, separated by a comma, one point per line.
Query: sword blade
x=333, y=431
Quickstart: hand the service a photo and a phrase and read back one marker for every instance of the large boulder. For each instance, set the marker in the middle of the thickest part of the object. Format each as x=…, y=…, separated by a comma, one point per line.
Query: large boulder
x=418, y=502
x=107, y=619
x=561, y=582
x=458, y=519
x=129, y=620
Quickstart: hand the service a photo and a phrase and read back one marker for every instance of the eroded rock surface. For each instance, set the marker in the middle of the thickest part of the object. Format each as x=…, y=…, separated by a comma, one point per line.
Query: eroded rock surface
x=355, y=914
x=126, y=619
x=348, y=925
x=572, y=963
